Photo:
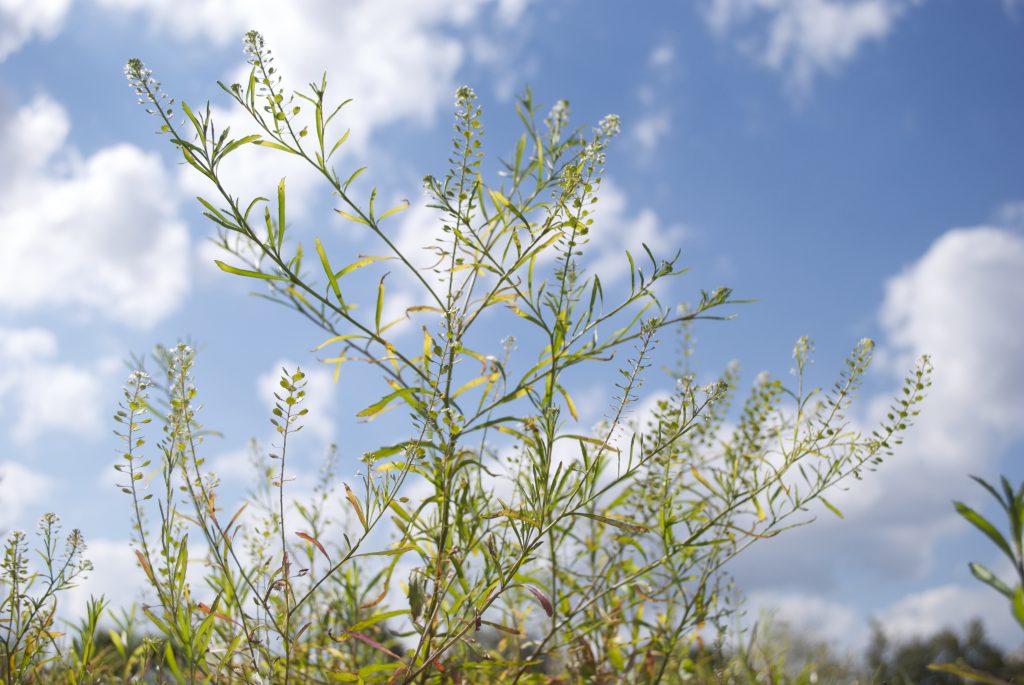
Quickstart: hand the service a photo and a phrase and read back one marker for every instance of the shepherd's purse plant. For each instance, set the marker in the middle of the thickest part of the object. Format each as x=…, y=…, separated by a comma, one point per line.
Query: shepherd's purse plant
x=495, y=538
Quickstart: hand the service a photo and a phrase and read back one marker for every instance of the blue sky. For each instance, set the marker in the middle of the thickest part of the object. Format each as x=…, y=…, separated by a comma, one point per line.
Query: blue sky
x=855, y=166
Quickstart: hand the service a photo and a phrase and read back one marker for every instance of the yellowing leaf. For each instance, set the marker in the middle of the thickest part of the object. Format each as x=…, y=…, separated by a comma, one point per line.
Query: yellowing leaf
x=312, y=540
x=144, y=563
x=394, y=210
x=352, y=217
x=761, y=516
x=327, y=270
x=428, y=343
x=354, y=501
x=700, y=478
x=832, y=507
x=499, y=199
x=629, y=526
x=475, y=382
x=568, y=402
x=246, y=272
x=422, y=308
x=337, y=338
x=543, y=599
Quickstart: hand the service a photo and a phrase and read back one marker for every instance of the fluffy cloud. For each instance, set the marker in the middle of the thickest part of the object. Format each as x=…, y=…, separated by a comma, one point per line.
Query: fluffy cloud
x=397, y=59
x=42, y=393
x=116, y=576
x=650, y=130
x=398, y=64
x=960, y=302
x=804, y=38
x=22, y=20
x=20, y=487
x=617, y=230
x=917, y=615
x=100, y=233
x=963, y=303
x=810, y=615
x=662, y=56
x=950, y=606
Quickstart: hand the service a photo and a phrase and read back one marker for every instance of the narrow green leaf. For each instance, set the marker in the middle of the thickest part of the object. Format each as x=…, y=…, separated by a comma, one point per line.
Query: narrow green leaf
x=380, y=301
x=340, y=142
x=514, y=514
x=329, y=271
x=986, y=576
x=192, y=117
x=235, y=144
x=628, y=526
x=379, y=406
x=338, y=338
x=982, y=524
x=364, y=260
x=963, y=670
x=276, y=146
x=352, y=217
x=394, y=210
x=377, y=618
x=245, y=272
x=831, y=508
x=355, y=174
x=390, y=552
x=280, y=213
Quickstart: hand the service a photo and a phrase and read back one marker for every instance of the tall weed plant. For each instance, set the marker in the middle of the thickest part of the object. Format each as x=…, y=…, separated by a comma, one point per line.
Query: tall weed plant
x=495, y=538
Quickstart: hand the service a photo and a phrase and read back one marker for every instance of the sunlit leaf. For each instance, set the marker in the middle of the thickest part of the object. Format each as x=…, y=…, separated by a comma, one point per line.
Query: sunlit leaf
x=629, y=526
x=247, y=273
x=309, y=538
x=354, y=501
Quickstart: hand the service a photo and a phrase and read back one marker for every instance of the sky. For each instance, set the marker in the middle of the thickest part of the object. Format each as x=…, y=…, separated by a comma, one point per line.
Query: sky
x=856, y=167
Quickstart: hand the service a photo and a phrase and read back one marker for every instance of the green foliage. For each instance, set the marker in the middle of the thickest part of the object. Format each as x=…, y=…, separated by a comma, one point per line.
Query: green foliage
x=971, y=656
x=1011, y=501
x=772, y=653
x=542, y=551
x=29, y=594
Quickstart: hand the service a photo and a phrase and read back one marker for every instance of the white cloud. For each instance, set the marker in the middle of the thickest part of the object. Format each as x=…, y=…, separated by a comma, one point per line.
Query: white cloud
x=398, y=62
x=319, y=396
x=662, y=56
x=116, y=576
x=511, y=11
x=810, y=615
x=616, y=230
x=917, y=615
x=650, y=130
x=20, y=488
x=1011, y=215
x=962, y=302
x=42, y=393
x=804, y=38
x=100, y=233
x=22, y=20
x=951, y=606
